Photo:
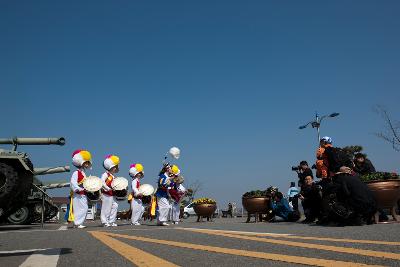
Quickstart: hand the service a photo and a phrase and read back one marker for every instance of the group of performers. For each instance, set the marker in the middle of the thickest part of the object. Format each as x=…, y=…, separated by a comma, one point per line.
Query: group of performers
x=168, y=195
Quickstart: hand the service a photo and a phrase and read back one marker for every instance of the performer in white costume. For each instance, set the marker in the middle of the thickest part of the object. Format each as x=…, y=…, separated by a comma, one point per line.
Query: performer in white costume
x=109, y=205
x=163, y=183
x=81, y=160
x=177, y=192
x=137, y=173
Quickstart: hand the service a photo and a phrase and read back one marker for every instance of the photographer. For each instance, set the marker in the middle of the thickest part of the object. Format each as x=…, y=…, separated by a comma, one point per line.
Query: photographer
x=362, y=165
x=281, y=209
x=310, y=196
x=302, y=172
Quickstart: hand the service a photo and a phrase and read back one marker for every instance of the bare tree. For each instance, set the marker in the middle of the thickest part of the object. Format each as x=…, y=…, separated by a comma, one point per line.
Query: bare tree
x=194, y=188
x=391, y=133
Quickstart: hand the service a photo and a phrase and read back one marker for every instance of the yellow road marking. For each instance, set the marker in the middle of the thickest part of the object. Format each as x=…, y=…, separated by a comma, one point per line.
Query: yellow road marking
x=364, y=252
x=289, y=236
x=245, y=253
x=134, y=255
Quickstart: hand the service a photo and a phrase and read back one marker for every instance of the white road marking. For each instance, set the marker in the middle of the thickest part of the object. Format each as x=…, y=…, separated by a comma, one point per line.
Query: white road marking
x=44, y=258
x=23, y=251
x=63, y=228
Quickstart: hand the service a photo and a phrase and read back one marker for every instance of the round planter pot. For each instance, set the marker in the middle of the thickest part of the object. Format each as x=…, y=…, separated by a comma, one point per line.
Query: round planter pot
x=386, y=193
x=205, y=210
x=255, y=204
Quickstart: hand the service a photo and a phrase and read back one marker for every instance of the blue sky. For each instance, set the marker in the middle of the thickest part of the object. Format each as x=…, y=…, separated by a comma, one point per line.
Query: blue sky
x=228, y=82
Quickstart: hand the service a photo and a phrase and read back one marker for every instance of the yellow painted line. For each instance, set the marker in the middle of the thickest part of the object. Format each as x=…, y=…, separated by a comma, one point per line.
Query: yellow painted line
x=290, y=236
x=363, y=252
x=245, y=253
x=134, y=255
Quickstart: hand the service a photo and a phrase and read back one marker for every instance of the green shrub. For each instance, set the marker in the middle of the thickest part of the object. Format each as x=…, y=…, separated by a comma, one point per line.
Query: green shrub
x=379, y=176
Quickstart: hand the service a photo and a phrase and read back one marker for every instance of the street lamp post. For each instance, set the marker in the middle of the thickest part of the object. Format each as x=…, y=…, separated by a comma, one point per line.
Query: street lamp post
x=317, y=122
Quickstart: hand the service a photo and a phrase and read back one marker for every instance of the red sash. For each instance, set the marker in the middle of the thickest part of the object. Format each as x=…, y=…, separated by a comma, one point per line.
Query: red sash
x=81, y=178
x=109, y=180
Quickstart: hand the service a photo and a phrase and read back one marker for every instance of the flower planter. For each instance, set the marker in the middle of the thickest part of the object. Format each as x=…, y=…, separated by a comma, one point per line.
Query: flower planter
x=256, y=206
x=205, y=210
x=386, y=193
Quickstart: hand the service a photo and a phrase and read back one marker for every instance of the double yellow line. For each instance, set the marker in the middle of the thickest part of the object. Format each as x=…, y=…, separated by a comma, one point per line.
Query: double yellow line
x=142, y=258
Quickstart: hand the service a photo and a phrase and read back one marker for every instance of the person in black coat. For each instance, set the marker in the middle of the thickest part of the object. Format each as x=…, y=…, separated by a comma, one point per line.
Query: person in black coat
x=303, y=171
x=362, y=165
x=355, y=195
x=310, y=195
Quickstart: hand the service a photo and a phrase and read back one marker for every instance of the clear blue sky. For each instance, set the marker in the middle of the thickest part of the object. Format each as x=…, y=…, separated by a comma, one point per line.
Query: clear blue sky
x=228, y=82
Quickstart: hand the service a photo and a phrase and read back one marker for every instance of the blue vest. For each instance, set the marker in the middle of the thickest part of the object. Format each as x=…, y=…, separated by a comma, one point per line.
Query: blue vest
x=162, y=186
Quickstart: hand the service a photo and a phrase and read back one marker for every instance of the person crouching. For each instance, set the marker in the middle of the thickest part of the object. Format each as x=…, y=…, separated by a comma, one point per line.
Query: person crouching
x=281, y=209
x=109, y=205
x=137, y=173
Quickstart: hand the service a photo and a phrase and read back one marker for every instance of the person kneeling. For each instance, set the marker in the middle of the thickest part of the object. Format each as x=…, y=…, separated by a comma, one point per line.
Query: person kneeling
x=310, y=196
x=281, y=209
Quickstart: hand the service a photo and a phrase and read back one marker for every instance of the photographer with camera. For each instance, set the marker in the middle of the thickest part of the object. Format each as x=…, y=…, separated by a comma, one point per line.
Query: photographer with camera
x=302, y=172
x=310, y=196
x=281, y=209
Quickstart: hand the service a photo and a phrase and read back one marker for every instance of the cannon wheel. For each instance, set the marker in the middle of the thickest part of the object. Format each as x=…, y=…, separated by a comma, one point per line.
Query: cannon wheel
x=21, y=216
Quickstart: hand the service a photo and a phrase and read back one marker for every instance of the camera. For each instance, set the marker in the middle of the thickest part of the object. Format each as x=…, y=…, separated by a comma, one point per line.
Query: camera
x=314, y=167
x=295, y=168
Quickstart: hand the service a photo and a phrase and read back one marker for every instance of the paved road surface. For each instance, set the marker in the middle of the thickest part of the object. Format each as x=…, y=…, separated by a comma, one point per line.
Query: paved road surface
x=224, y=242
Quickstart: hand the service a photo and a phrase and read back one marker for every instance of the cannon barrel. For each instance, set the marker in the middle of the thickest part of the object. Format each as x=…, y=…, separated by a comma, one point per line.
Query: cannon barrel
x=50, y=170
x=54, y=186
x=33, y=141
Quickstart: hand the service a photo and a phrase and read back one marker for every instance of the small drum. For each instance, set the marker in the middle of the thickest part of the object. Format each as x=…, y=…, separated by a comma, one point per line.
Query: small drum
x=147, y=191
x=92, y=185
x=120, y=188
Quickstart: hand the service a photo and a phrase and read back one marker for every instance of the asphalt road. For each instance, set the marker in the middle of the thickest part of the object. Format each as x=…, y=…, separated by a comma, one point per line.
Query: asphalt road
x=224, y=242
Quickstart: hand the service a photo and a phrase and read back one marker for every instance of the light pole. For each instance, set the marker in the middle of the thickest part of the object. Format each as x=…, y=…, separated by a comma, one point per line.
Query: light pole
x=317, y=122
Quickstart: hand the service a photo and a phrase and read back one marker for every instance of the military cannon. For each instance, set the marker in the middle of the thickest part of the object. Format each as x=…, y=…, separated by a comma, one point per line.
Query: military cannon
x=17, y=173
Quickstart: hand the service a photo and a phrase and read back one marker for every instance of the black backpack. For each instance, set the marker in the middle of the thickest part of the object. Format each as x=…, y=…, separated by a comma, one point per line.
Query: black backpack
x=338, y=158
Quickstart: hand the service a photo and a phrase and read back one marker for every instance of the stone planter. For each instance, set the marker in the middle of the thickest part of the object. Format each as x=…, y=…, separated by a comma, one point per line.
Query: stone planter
x=386, y=193
x=204, y=210
x=256, y=206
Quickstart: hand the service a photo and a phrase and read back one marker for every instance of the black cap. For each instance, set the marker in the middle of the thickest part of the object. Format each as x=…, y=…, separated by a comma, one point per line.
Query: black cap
x=303, y=162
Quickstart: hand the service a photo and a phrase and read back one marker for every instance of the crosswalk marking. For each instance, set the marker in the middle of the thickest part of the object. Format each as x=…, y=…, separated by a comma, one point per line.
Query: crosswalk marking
x=363, y=252
x=43, y=258
x=134, y=255
x=22, y=251
x=239, y=252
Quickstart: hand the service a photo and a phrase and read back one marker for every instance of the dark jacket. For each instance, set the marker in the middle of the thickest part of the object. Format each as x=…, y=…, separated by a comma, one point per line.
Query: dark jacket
x=365, y=168
x=311, y=195
x=303, y=175
x=355, y=193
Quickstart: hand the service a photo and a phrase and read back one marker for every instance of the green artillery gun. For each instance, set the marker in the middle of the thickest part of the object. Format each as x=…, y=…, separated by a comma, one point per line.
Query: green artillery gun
x=19, y=191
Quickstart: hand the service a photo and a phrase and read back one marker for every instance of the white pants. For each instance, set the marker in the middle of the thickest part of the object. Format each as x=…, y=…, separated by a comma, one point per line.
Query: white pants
x=109, y=208
x=176, y=211
x=80, y=208
x=163, y=209
x=137, y=210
